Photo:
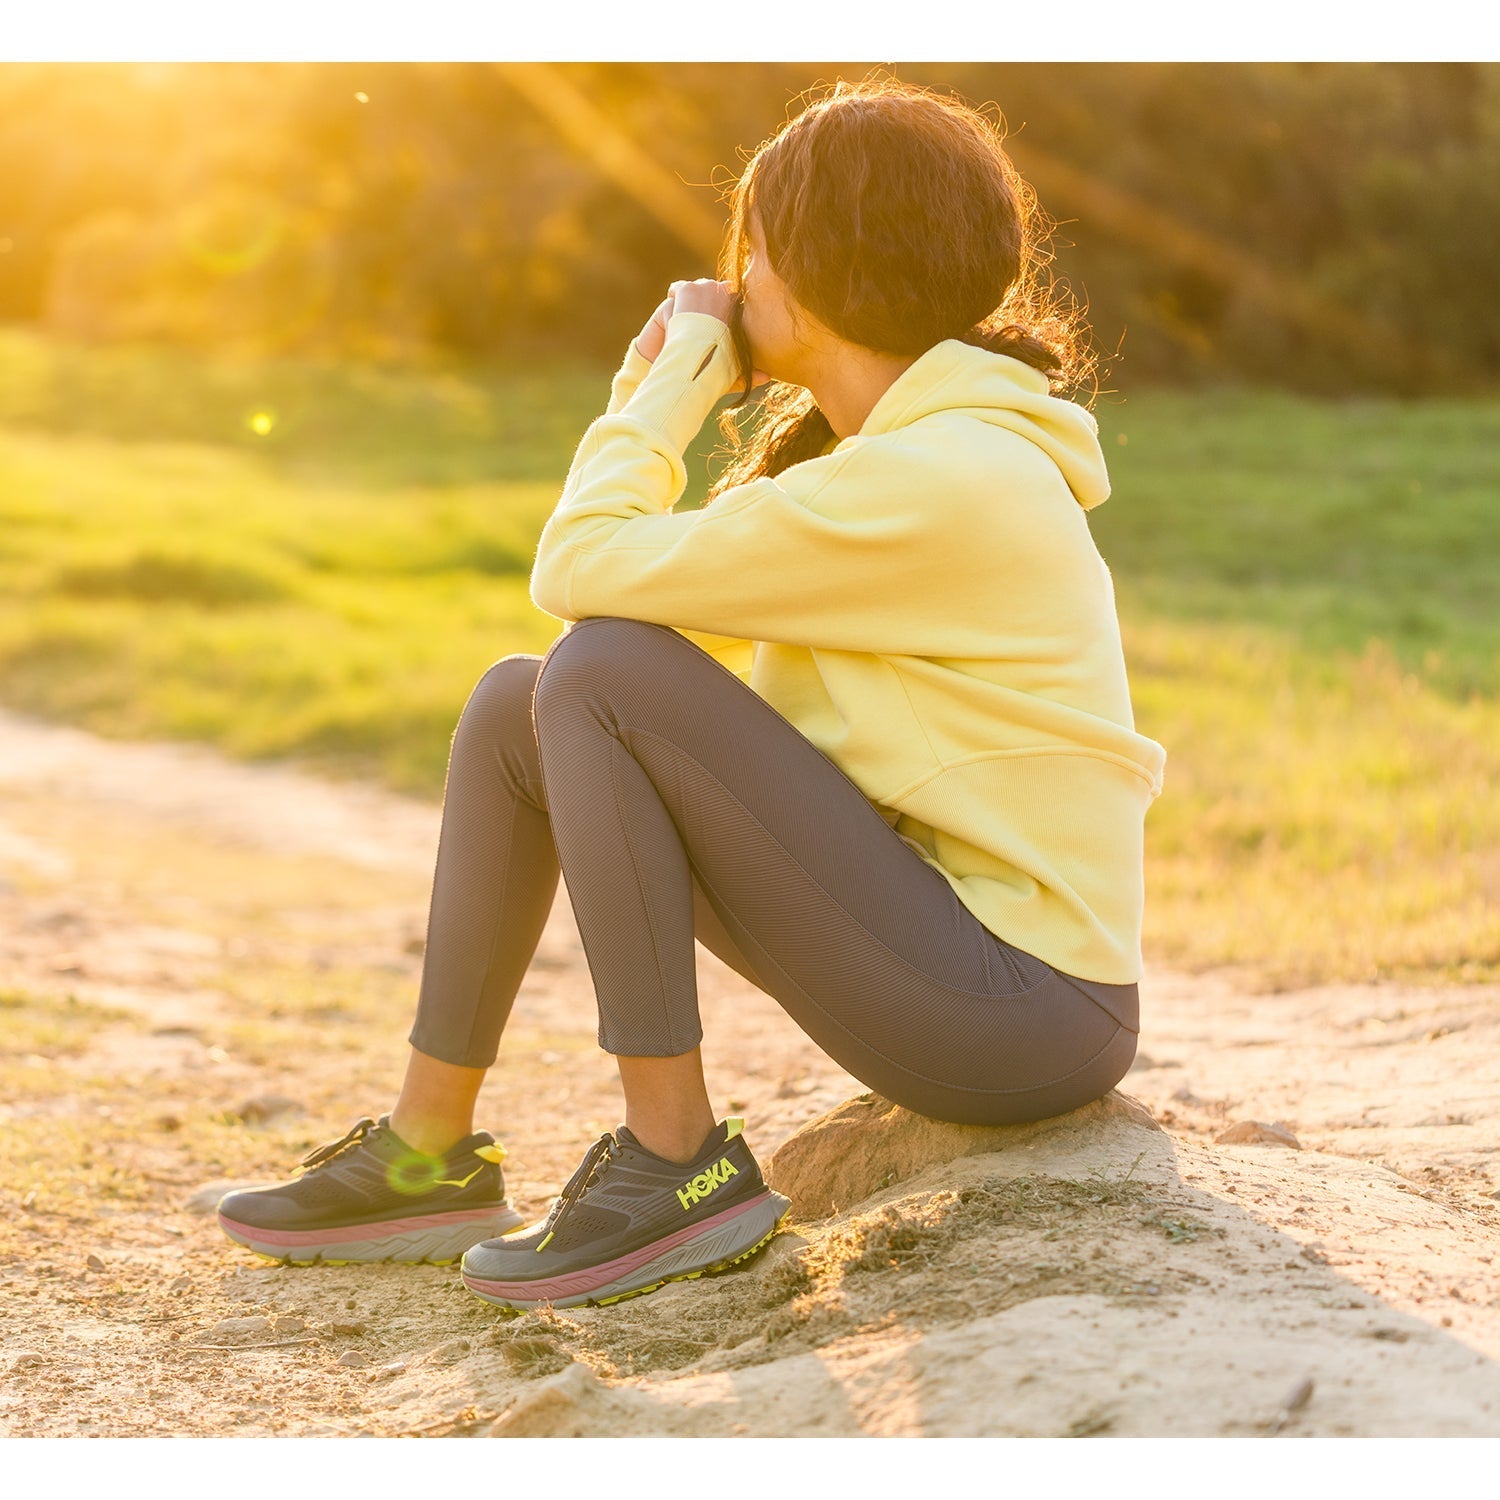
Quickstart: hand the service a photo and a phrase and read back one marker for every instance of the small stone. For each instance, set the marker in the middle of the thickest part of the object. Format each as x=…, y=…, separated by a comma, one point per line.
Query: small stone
x=94, y=1263
x=265, y=1107
x=205, y=1200
x=240, y=1328
x=351, y=1330
x=388, y=1372
x=447, y=1354
x=180, y=1284
x=1258, y=1133
x=350, y=1304
x=28, y=1359
x=352, y=1359
x=169, y=1123
x=288, y=1324
x=1300, y=1396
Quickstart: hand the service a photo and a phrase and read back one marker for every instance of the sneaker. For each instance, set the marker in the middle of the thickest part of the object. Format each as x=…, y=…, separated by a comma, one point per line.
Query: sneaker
x=371, y=1197
x=630, y=1221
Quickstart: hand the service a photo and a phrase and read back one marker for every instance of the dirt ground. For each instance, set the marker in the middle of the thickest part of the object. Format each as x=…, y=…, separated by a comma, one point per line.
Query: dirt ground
x=206, y=969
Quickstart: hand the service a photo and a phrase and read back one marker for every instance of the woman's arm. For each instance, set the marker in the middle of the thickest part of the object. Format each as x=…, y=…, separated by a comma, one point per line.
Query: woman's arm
x=821, y=554
x=729, y=651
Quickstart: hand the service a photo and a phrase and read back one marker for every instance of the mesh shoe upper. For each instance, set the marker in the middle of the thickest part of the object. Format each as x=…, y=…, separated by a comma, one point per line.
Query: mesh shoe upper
x=372, y=1175
x=622, y=1198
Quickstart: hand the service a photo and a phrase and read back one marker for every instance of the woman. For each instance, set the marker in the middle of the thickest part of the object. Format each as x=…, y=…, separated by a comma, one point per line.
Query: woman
x=860, y=725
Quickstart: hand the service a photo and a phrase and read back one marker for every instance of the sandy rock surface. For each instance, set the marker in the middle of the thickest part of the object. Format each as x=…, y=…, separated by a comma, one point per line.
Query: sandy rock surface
x=207, y=969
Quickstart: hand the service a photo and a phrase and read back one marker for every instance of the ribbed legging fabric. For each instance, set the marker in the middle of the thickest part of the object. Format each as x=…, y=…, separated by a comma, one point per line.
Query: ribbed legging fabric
x=679, y=805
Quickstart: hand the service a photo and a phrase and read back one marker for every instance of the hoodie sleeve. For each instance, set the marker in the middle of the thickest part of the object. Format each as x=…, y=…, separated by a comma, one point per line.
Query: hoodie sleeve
x=735, y=654
x=822, y=554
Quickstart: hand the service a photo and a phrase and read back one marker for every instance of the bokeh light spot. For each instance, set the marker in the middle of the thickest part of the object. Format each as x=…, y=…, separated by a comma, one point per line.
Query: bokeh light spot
x=363, y=97
x=261, y=423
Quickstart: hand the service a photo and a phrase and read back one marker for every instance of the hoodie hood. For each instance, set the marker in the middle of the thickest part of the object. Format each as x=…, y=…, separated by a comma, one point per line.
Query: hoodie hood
x=953, y=376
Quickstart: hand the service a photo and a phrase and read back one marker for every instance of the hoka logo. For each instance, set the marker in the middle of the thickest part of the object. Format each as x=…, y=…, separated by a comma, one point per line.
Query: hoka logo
x=706, y=1182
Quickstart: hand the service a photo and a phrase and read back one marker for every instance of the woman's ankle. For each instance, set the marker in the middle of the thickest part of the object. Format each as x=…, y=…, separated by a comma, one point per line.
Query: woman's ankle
x=430, y=1136
x=435, y=1108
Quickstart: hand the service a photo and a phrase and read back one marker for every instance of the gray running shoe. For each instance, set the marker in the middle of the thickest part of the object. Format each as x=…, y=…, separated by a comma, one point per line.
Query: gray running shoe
x=371, y=1197
x=630, y=1221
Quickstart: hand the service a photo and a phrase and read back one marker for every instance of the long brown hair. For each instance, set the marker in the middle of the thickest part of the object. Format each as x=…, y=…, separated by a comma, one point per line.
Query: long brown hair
x=894, y=215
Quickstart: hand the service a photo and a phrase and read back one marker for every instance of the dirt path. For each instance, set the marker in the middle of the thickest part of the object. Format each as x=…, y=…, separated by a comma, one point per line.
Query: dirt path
x=207, y=968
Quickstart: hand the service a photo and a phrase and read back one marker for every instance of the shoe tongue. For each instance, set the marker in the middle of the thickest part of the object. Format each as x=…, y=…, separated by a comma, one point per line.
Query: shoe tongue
x=627, y=1137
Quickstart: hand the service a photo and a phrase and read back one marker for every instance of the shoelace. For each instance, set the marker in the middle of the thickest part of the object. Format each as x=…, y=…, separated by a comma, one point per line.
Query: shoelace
x=605, y=1149
x=325, y=1154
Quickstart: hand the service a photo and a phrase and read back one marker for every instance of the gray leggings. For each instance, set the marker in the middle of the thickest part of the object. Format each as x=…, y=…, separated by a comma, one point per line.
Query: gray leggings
x=682, y=805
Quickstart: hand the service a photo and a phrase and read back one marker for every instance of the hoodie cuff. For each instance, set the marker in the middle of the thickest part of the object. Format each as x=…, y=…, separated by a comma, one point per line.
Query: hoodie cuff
x=694, y=371
x=627, y=378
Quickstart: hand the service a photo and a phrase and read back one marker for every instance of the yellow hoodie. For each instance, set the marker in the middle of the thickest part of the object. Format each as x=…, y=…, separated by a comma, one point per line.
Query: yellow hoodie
x=923, y=600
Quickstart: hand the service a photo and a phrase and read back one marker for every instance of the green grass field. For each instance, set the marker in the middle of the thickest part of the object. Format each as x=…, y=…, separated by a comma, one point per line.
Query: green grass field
x=287, y=560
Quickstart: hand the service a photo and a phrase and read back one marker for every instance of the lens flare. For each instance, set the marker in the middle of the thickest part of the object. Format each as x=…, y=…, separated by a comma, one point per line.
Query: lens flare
x=413, y=1173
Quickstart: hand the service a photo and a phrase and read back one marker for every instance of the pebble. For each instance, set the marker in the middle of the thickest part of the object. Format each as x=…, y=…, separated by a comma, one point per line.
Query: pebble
x=205, y=1200
x=447, y=1354
x=267, y=1107
x=351, y=1329
x=1300, y=1396
x=240, y=1328
x=94, y=1263
x=1258, y=1133
x=385, y=1372
x=289, y=1324
x=352, y=1359
x=180, y=1284
x=27, y=1359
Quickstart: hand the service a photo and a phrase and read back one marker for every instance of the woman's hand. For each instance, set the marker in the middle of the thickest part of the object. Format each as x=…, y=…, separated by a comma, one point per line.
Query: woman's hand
x=703, y=295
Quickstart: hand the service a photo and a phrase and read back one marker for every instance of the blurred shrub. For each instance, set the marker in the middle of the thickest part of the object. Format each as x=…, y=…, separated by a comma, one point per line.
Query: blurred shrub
x=1322, y=226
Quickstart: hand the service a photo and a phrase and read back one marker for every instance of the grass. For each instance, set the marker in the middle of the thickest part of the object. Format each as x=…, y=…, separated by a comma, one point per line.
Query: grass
x=294, y=560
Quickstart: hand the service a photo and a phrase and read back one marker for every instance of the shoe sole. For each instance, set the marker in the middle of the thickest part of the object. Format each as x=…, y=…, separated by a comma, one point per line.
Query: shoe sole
x=724, y=1241
x=432, y=1239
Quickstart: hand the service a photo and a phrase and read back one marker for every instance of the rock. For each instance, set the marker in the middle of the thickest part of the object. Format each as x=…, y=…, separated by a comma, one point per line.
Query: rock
x=205, y=1200
x=564, y=1405
x=233, y=1330
x=180, y=1283
x=352, y=1330
x=94, y=1263
x=352, y=1359
x=27, y=1359
x=1258, y=1133
x=288, y=1324
x=267, y=1107
x=388, y=1372
x=867, y=1143
x=447, y=1354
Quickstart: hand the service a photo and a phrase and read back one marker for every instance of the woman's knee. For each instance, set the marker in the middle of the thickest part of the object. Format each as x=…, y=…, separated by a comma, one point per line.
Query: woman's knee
x=601, y=650
x=500, y=702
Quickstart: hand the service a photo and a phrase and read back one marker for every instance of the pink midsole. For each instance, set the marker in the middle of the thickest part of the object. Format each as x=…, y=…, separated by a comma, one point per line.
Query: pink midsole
x=352, y=1233
x=577, y=1282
